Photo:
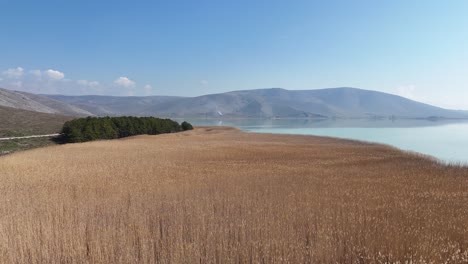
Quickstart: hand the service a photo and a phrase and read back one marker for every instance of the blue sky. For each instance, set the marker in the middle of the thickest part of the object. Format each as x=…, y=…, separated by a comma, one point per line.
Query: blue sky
x=418, y=49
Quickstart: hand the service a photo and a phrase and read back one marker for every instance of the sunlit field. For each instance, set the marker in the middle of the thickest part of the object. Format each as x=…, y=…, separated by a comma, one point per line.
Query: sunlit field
x=218, y=195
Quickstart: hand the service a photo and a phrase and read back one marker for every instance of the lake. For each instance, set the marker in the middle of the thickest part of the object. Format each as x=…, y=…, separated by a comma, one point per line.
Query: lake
x=446, y=140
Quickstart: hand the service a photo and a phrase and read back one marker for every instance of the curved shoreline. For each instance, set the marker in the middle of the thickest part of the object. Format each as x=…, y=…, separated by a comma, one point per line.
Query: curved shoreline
x=408, y=143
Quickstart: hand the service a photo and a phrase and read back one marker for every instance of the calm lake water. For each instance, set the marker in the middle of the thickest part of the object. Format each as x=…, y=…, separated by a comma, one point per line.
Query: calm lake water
x=445, y=140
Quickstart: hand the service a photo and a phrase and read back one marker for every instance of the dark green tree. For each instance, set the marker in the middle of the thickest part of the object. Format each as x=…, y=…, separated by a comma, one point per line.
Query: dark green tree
x=186, y=126
x=93, y=128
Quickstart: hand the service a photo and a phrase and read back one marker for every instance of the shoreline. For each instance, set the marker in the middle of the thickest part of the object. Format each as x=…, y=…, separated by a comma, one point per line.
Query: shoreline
x=218, y=128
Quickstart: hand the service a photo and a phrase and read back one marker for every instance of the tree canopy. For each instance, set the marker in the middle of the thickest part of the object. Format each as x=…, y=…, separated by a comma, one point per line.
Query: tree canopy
x=93, y=128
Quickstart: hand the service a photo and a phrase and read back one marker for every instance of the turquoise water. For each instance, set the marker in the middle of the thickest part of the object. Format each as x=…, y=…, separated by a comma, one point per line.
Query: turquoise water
x=445, y=140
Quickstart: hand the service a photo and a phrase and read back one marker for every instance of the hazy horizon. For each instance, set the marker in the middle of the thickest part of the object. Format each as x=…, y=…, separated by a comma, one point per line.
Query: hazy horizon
x=413, y=49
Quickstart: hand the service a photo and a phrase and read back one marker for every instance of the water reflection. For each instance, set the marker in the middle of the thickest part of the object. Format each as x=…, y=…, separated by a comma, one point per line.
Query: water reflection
x=323, y=123
x=443, y=139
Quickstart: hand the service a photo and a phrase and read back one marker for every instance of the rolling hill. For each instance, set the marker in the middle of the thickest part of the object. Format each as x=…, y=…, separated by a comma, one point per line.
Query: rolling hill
x=19, y=122
x=116, y=106
x=38, y=103
x=265, y=103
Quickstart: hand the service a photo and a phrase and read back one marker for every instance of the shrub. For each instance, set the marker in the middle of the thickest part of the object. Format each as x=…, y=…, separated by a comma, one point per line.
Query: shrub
x=186, y=126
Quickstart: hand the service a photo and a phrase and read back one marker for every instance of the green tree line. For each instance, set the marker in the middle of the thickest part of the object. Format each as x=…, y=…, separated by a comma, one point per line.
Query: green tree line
x=93, y=128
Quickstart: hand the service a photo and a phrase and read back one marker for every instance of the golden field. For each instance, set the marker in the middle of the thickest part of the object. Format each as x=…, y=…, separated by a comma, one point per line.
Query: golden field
x=218, y=195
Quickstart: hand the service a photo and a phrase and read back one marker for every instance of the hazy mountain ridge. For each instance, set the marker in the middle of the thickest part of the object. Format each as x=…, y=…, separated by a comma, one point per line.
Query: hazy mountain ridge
x=259, y=103
x=266, y=103
x=38, y=103
x=114, y=105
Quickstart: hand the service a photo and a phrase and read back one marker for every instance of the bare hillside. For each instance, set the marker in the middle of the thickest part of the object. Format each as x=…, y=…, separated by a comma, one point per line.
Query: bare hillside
x=266, y=103
x=18, y=122
x=38, y=103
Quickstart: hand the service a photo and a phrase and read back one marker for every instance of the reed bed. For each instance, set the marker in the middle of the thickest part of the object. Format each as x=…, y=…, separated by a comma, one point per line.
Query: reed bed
x=218, y=195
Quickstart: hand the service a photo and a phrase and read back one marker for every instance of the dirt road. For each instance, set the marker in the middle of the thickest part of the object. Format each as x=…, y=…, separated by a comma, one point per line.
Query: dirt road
x=33, y=136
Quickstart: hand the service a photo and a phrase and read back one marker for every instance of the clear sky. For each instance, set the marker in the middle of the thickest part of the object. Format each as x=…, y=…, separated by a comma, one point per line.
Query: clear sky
x=418, y=49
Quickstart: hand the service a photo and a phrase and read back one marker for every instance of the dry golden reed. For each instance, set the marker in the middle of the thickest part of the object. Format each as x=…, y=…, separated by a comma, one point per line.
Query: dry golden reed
x=218, y=195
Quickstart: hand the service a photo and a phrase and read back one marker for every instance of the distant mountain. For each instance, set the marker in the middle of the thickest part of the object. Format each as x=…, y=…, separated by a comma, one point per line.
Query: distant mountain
x=114, y=105
x=38, y=103
x=266, y=103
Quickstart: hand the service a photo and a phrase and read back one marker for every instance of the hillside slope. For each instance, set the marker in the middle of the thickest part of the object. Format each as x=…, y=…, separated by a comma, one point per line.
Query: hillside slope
x=38, y=103
x=18, y=122
x=266, y=103
x=114, y=105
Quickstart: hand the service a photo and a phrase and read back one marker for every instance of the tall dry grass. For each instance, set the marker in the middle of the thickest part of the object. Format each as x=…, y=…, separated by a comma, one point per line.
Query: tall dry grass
x=223, y=196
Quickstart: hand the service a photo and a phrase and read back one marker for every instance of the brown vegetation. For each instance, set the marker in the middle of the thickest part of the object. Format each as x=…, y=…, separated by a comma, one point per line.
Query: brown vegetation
x=217, y=195
x=13, y=145
x=17, y=122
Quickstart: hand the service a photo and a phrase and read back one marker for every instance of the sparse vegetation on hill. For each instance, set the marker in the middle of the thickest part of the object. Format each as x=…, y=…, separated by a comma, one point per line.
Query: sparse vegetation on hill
x=18, y=122
x=92, y=128
x=217, y=195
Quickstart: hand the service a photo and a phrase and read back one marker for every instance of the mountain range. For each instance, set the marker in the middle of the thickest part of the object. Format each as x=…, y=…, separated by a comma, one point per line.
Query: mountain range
x=38, y=103
x=260, y=103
